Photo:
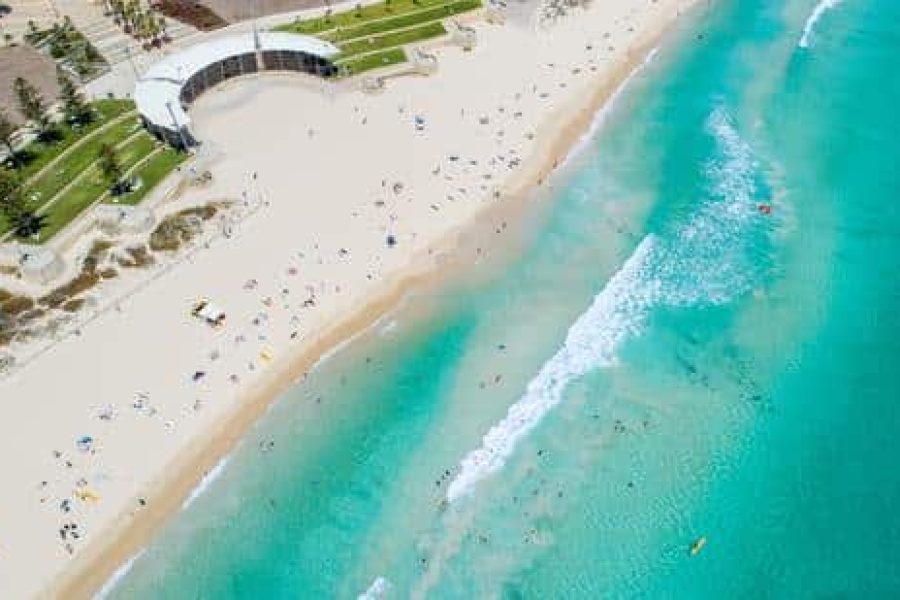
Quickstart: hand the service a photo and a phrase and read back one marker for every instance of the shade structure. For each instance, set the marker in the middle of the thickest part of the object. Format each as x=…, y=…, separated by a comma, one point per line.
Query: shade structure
x=165, y=91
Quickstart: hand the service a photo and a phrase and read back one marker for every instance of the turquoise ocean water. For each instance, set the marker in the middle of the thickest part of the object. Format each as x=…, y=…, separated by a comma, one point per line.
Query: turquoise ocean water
x=659, y=358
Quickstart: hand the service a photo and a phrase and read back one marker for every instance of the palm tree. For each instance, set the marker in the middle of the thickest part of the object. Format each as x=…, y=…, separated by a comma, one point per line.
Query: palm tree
x=118, y=10
x=33, y=106
x=12, y=202
x=7, y=131
x=151, y=28
x=163, y=27
x=134, y=11
x=130, y=14
x=111, y=168
x=140, y=27
x=75, y=108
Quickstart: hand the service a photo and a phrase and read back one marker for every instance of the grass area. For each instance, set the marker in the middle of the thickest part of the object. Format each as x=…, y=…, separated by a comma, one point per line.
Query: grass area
x=56, y=178
x=151, y=173
x=37, y=155
x=134, y=145
x=371, y=37
x=78, y=198
x=92, y=187
x=418, y=17
x=376, y=60
x=392, y=39
x=350, y=18
x=136, y=150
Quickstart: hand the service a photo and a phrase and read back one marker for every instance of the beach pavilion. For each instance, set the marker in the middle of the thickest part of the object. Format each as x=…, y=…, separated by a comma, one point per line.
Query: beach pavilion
x=168, y=88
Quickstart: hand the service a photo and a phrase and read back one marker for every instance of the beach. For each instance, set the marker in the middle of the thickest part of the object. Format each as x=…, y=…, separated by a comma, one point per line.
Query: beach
x=356, y=198
x=671, y=375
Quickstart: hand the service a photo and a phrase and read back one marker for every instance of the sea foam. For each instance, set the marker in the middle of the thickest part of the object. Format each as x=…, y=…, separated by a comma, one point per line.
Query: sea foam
x=705, y=260
x=821, y=8
x=116, y=577
x=377, y=590
x=207, y=480
x=201, y=487
x=617, y=312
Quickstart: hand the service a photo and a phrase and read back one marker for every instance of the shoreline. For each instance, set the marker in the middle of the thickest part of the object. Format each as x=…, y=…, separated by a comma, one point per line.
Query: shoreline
x=562, y=135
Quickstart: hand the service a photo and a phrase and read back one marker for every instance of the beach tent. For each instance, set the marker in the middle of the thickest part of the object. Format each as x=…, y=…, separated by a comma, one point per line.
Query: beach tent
x=209, y=312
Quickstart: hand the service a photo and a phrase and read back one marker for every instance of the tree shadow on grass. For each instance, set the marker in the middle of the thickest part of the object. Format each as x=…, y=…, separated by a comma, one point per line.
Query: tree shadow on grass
x=30, y=225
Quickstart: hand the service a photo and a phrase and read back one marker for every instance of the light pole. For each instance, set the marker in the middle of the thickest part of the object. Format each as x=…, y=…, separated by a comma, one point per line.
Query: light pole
x=131, y=62
x=175, y=124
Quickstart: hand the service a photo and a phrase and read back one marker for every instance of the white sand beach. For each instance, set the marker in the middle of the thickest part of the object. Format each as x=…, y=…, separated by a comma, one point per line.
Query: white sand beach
x=335, y=172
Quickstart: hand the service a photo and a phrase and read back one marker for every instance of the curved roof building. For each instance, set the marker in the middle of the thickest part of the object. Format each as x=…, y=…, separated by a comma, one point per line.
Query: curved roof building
x=164, y=92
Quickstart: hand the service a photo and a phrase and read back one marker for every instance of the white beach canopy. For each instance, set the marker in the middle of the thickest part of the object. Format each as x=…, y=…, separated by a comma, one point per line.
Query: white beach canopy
x=209, y=312
x=158, y=92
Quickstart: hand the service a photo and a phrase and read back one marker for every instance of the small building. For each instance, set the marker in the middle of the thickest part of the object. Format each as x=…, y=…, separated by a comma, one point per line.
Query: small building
x=165, y=92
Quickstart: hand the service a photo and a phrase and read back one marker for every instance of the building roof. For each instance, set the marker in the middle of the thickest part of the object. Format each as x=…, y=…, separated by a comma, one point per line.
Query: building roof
x=158, y=89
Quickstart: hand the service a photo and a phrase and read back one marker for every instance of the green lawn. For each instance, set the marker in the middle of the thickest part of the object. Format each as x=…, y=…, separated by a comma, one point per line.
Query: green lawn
x=134, y=145
x=92, y=187
x=408, y=20
x=77, y=199
x=356, y=17
x=61, y=174
x=37, y=154
x=371, y=37
x=390, y=40
x=151, y=173
x=136, y=150
x=367, y=62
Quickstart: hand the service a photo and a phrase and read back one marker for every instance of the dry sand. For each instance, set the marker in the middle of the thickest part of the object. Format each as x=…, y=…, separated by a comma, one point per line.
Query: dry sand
x=336, y=172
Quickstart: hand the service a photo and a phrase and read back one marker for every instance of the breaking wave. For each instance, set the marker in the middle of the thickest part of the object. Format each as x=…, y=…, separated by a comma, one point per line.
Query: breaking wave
x=617, y=312
x=707, y=260
x=205, y=482
x=377, y=590
x=821, y=8
x=117, y=577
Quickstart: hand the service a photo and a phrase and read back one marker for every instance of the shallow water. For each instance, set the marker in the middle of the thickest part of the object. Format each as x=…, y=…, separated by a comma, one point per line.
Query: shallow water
x=664, y=358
